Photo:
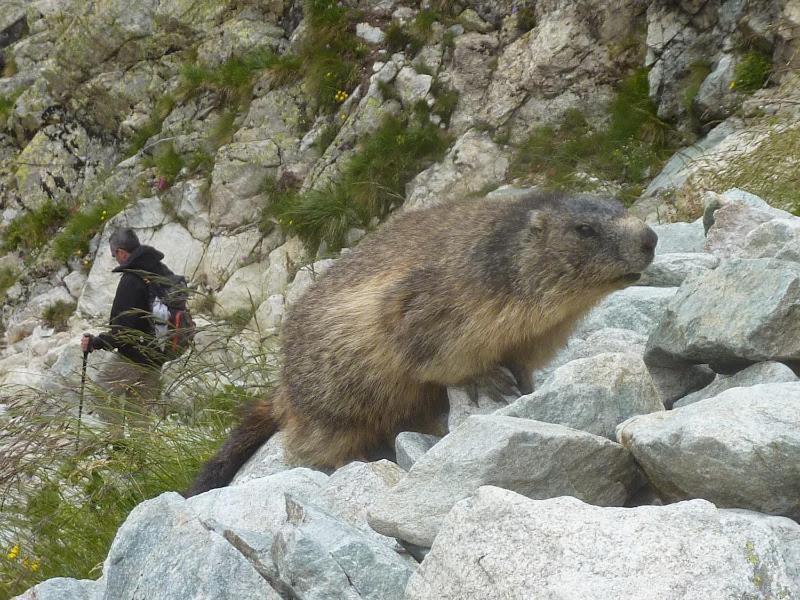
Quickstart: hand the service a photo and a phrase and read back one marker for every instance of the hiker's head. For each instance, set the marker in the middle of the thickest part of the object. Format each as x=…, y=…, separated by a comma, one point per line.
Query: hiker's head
x=123, y=242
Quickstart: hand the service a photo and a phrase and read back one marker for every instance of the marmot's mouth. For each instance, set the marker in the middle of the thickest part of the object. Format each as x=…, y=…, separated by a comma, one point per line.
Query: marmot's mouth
x=630, y=277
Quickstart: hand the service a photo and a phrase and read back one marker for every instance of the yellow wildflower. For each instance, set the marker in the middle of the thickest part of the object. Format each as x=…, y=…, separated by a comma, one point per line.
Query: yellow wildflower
x=341, y=96
x=35, y=565
x=13, y=553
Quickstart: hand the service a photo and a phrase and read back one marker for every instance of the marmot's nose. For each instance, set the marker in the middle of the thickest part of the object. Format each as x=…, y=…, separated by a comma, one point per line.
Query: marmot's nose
x=649, y=241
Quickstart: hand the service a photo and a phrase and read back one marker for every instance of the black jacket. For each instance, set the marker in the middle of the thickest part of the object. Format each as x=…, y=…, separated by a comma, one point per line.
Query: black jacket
x=132, y=331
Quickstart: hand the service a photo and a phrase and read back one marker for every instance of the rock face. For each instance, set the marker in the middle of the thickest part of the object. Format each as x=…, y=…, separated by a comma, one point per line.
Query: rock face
x=539, y=460
x=740, y=449
x=499, y=545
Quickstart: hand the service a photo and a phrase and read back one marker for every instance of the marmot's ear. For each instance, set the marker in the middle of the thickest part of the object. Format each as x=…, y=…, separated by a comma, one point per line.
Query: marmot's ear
x=537, y=221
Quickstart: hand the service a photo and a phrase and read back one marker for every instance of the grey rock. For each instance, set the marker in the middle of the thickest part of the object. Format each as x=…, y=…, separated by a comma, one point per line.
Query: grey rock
x=269, y=459
x=668, y=270
x=717, y=99
x=164, y=551
x=778, y=238
x=740, y=449
x=680, y=237
x=474, y=163
x=730, y=315
x=539, y=460
x=763, y=372
x=64, y=588
x=592, y=394
x=352, y=488
x=498, y=545
x=323, y=558
x=462, y=406
x=732, y=224
x=370, y=34
x=409, y=446
x=637, y=308
x=676, y=380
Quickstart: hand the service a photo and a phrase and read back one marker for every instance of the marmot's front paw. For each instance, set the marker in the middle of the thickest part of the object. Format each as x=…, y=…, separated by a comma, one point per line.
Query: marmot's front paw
x=498, y=383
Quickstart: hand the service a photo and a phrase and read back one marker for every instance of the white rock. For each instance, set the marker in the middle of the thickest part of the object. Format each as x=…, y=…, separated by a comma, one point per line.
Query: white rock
x=370, y=34
x=499, y=545
x=763, y=372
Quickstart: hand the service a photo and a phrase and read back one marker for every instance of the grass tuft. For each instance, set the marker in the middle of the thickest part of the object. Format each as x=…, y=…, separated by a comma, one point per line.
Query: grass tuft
x=57, y=314
x=82, y=226
x=32, y=230
x=752, y=72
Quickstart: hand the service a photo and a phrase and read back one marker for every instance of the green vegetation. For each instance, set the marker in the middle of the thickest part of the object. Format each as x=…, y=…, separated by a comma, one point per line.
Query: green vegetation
x=445, y=101
x=698, y=71
x=82, y=226
x=752, y=72
x=8, y=277
x=57, y=314
x=167, y=162
x=372, y=184
x=77, y=500
x=771, y=171
x=633, y=145
x=6, y=106
x=33, y=229
x=526, y=18
x=161, y=110
x=412, y=37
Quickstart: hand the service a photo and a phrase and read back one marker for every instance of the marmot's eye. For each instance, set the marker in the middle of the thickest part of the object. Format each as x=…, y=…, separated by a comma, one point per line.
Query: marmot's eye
x=585, y=230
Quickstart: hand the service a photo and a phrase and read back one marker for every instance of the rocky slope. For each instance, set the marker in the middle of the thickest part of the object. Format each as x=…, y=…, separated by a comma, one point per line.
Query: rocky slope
x=658, y=456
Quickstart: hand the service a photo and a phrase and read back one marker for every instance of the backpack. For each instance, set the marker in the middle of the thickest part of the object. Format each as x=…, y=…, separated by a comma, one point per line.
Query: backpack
x=172, y=321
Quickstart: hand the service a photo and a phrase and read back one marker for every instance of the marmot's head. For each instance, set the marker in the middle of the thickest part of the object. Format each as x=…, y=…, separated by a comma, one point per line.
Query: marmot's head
x=580, y=242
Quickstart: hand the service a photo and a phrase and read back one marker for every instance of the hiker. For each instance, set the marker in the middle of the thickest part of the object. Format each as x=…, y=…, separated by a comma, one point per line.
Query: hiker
x=131, y=375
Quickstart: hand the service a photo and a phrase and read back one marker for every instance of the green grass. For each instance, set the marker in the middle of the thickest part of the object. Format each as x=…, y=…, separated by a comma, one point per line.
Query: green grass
x=371, y=186
x=167, y=162
x=233, y=80
x=57, y=314
x=31, y=230
x=410, y=38
x=161, y=110
x=82, y=226
x=76, y=501
x=698, y=71
x=752, y=72
x=8, y=277
x=629, y=150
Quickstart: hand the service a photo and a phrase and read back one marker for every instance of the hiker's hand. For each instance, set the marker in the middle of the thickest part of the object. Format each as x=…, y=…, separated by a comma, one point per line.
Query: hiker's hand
x=86, y=342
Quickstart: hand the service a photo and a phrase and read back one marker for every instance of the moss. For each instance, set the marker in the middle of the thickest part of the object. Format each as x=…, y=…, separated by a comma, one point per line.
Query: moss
x=83, y=225
x=752, y=72
x=57, y=314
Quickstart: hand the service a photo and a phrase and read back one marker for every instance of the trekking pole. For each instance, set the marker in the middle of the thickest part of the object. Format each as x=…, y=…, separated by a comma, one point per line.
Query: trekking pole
x=80, y=403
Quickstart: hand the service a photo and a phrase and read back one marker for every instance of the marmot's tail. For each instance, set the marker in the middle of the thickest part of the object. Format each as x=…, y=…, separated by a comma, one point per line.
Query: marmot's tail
x=257, y=426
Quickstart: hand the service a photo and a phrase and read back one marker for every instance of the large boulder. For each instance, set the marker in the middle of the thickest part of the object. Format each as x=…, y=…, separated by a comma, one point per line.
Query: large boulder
x=730, y=316
x=539, y=460
x=499, y=545
x=592, y=394
x=740, y=449
x=763, y=372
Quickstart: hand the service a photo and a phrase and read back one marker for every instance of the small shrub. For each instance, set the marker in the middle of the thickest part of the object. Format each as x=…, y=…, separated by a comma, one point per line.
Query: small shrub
x=200, y=161
x=752, y=72
x=163, y=107
x=445, y=101
x=57, y=314
x=84, y=225
x=32, y=230
x=167, y=162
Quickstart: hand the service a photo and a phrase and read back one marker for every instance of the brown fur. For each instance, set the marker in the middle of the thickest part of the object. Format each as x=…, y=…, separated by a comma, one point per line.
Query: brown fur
x=439, y=297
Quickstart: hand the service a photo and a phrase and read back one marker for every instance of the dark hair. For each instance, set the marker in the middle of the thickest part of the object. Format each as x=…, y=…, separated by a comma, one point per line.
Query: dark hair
x=124, y=238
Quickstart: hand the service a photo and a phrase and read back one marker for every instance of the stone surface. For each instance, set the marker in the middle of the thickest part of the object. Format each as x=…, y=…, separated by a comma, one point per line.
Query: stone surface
x=730, y=315
x=64, y=588
x=499, y=545
x=498, y=450
x=592, y=394
x=474, y=163
x=267, y=460
x=763, y=372
x=321, y=557
x=740, y=449
x=680, y=237
x=164, y=551
x=778, y=238
x=637, y=308
x=669, y=270
x=409, y=446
